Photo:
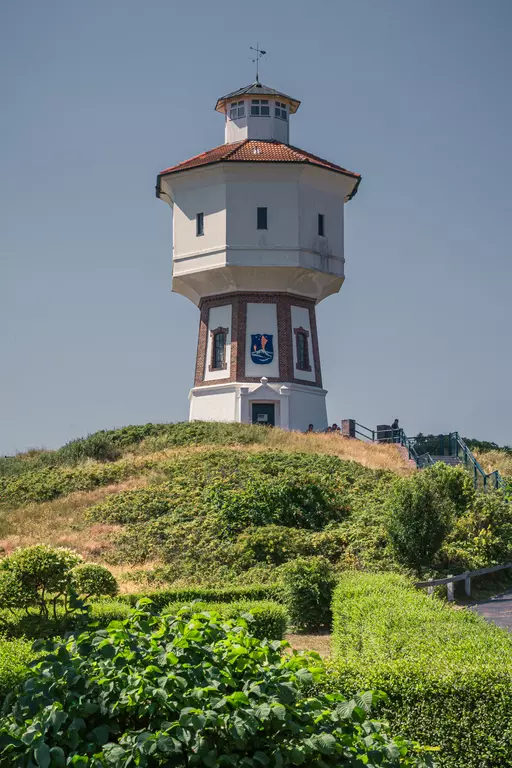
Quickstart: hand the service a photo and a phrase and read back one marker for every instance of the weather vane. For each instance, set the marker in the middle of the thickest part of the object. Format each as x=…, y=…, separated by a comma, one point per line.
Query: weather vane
x=259, y=54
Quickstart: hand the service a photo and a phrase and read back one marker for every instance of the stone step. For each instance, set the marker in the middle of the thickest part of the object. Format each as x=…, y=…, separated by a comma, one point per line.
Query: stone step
x=452, y=461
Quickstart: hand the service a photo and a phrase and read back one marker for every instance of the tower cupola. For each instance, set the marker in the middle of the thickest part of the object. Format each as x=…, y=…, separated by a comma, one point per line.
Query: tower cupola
x=257, y=112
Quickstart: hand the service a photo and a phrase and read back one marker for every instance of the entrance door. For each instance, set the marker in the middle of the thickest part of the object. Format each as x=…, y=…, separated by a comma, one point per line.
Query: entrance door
x=263, y=413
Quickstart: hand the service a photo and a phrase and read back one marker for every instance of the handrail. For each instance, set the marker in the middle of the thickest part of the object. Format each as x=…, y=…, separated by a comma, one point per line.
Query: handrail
x=466, y=577
x=456, y=447
x=494, y=477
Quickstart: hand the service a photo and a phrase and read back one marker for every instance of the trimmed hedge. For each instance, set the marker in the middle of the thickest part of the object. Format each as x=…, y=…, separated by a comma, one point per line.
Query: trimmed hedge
x=15, y=655
x=20, y=625
x=447, y=673
x=162, y=597
x=270, y=619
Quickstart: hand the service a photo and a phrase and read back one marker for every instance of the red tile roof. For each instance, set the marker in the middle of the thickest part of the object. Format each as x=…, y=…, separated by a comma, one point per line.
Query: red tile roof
x=251, y=150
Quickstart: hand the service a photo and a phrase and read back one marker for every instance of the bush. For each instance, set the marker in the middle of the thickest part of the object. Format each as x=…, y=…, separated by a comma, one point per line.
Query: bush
x=162, y=597
x=37, y=577
x=137, y=506
x=419, y=518
x=308, y=583
x=91, y=580
x=15, y=656
x=307, y=501
x=447, y=673
x=266, y=619
x=480, y=537
x=167, y=691
x=17, y=624
x=98, y=446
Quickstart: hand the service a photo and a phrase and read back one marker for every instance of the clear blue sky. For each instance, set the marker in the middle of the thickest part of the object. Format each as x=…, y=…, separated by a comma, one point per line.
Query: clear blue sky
x=97, y=97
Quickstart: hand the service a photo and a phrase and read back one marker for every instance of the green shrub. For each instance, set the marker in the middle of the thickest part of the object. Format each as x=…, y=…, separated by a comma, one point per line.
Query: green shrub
x=159, y=690
x=480, y=537
x=98, y=446
x=162, y=597
x=19, y=624
x=307, y=501
x=137, y=506
x=15, y=656
x=447, y=673
x=37, y=577
x=266, y=619
x=92, y=580
x=420, y=516
x=47, y=484
x=308, y=583
x=276, y=544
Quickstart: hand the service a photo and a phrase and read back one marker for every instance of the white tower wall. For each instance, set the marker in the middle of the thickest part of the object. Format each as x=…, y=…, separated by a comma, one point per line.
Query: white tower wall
x=257, y=286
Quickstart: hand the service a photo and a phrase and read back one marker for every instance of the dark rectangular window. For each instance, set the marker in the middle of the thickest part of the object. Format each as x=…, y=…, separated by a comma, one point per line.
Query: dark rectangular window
x=199, y=224
x=219, y=350
x=321, y=228
x=302, y=352
x=262, y=218
x=302, y=349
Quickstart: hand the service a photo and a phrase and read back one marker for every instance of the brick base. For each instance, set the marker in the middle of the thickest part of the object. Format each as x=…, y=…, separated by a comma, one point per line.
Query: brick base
x=239, y=302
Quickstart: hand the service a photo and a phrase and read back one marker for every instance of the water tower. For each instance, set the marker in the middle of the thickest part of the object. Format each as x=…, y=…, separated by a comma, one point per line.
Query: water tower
x=257, y=244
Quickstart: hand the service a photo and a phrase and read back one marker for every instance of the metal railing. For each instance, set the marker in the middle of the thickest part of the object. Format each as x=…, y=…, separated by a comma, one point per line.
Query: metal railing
x=465, y=577
x=424, y=450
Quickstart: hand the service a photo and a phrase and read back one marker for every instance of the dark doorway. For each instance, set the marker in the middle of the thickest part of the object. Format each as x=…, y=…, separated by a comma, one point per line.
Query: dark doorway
x=263, y=413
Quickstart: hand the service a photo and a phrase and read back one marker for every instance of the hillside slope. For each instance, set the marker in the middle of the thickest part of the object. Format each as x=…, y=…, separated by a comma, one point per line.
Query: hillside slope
x=207, y=503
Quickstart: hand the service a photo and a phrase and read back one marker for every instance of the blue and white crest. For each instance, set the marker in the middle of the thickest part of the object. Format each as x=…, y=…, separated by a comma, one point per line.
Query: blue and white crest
x=262, y=348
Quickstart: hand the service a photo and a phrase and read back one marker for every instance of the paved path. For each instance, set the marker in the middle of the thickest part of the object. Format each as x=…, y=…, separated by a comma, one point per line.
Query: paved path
x=497, y=609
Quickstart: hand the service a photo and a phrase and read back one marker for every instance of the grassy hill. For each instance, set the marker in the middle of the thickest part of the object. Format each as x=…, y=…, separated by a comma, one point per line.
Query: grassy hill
x=211, y=504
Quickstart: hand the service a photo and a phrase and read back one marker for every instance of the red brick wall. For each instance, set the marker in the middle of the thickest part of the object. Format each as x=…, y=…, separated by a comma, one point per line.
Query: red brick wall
x=239, y=301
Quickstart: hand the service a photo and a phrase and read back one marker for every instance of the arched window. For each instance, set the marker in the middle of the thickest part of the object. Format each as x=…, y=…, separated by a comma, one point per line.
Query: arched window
x=218, y=355
x=302, y=348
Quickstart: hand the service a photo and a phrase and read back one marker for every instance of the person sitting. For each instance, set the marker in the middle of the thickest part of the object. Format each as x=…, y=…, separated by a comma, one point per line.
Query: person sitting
x=329, y=429
x=310, y=429
x=335, y=428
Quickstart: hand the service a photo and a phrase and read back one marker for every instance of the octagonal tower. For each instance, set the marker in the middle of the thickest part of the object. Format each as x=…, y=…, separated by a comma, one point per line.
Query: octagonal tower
x=257, y=243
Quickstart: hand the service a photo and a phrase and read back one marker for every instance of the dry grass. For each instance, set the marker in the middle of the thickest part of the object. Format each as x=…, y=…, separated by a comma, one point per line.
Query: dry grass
x=321, y=643
x=61, y=522
x=371, y=455
x=491, y=460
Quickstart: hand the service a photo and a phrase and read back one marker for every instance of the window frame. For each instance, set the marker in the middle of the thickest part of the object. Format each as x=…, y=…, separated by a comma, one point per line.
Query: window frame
x=257, y=107
x=262, y=217
x=236, y=110
x=214, y=335
x=303, y=362
x=321, y=225
x=281, y=110
x=200, y=224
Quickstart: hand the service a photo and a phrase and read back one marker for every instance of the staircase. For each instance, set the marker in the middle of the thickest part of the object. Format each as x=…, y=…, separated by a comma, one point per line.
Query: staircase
x=452, y=461
x=425, y=452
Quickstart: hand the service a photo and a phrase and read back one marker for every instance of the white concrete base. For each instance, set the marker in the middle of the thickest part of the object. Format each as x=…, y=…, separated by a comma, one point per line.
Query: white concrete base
x=296, y=405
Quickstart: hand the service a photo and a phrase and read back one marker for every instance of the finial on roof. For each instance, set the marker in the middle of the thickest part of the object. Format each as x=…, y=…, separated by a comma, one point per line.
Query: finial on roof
x=256, y=60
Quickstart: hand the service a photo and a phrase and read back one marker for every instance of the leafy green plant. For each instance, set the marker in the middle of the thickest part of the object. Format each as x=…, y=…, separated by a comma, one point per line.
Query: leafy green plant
x=37, y=577
x=93, y=580
x=308, y=583
x=420, y=515
x=169, y=690
x=447, y=672
x=301, y=502
x=480, y=537
x=15, y=657
x=98, y=446
x=265, y=618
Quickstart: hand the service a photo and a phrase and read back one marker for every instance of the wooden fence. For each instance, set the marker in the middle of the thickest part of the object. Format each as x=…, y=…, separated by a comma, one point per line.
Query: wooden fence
x=465, y=577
